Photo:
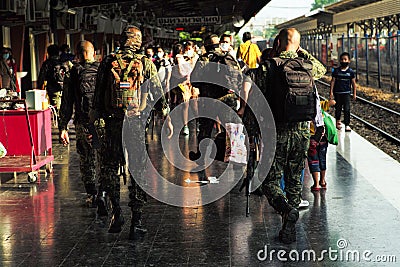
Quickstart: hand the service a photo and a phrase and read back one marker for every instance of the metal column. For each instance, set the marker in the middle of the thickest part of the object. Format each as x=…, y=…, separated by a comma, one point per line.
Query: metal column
x=356, y=54
x=398, y=59
x=379, y=59
x=366, y=57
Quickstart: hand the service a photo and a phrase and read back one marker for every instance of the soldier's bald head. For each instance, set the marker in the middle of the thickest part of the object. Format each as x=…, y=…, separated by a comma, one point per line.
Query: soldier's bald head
x=85, y=50
x=289, y=39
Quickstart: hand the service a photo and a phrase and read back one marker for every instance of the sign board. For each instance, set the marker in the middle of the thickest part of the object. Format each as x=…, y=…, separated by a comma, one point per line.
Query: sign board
x=189, y=21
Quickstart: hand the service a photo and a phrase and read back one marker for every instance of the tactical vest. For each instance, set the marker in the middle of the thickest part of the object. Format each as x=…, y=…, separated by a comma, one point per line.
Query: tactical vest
x=128, y=76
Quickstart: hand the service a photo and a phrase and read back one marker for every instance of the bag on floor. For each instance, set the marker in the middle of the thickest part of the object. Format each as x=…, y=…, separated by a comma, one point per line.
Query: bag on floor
x=236, y=150
x=330, y=129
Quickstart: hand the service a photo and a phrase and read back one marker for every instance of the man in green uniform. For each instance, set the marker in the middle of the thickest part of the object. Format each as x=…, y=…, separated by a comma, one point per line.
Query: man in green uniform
x=292, y=137
x=124, y=81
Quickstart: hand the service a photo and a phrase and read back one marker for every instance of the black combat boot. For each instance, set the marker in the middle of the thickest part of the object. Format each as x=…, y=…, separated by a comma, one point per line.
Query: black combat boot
x=91, y=198
x=102, y=204
x=137, y=228
x=288, y=232
x=290, y=216
x=117, y=219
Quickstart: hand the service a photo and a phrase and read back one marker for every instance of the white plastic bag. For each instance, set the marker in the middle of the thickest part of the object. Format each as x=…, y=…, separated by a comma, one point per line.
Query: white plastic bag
x=3, y=150
x=236, y=150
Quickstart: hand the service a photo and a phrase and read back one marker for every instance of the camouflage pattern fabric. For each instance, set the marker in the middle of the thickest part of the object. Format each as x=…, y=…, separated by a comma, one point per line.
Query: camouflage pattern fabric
x=87, y=157
x=292, y=141
x=112, y=150
x=55, y=99
x=291, y=152
x=112, y=153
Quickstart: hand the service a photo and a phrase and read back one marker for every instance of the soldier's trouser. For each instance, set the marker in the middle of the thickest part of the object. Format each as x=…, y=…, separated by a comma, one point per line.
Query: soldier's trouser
x=87, y=159
x=206, y=124
x=55, y=99
x=135, y=144
x=113, y=155
x=291, y=152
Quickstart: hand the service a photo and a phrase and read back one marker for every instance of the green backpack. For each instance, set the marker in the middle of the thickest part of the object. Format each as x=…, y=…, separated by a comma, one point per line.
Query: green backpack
x=330, y=129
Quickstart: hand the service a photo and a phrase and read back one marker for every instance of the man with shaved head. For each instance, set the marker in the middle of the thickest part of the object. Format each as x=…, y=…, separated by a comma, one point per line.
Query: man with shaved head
x=79, y=92
x=292, y=136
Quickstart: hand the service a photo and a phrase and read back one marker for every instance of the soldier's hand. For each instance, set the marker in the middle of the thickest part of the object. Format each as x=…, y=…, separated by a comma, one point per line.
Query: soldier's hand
x=240, y=112
x=170, y=127
x=64, y=138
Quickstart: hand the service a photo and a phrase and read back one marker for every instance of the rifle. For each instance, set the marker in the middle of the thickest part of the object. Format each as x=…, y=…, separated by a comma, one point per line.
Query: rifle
x=251, y=164
x=95, y=137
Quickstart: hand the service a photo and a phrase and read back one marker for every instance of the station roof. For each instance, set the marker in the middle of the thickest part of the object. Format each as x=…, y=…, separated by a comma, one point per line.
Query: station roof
x=347, y=5
x=228, y=10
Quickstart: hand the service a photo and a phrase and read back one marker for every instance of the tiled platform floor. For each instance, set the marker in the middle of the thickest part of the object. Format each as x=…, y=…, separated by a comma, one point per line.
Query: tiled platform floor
x=46, y=224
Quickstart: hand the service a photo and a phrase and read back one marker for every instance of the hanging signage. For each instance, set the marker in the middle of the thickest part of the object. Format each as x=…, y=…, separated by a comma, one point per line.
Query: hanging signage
x=189, y=21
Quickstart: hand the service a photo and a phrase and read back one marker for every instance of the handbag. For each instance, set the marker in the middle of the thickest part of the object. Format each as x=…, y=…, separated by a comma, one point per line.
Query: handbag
x=330, y=129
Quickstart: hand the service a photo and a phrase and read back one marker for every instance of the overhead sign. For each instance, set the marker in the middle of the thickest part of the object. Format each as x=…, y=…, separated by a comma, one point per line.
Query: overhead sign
x=189, y=21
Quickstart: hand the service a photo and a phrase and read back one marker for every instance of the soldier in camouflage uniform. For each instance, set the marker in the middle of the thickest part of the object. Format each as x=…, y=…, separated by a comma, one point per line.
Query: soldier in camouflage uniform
x=79, y=93
x=113, y=109
x=229, y=76
x=292, y=139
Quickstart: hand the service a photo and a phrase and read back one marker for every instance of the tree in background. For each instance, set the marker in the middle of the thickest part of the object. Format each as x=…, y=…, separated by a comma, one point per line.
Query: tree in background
x=270, y=33
x=320, y=3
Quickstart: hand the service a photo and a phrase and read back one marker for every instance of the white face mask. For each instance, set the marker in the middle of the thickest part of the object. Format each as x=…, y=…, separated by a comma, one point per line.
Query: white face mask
x=190, y=53
x=160, y=54
x=225, y=46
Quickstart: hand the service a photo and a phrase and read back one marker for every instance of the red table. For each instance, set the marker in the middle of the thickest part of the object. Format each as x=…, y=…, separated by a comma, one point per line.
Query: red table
x=15, y=133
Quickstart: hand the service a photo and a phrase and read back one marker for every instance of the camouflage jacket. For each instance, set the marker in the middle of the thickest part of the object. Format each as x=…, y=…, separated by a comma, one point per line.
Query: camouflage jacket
x=102, y=104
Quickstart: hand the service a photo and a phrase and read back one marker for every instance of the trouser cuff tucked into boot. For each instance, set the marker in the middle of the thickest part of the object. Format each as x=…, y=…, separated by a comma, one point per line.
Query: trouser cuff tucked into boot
x=136, y=228
x=117, y=219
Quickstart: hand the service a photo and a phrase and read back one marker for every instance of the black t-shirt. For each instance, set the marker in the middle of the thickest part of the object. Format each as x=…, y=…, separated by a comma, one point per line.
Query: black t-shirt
x=342, y=80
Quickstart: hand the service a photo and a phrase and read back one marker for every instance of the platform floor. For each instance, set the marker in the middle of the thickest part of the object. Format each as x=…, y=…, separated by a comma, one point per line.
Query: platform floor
x=357, y=217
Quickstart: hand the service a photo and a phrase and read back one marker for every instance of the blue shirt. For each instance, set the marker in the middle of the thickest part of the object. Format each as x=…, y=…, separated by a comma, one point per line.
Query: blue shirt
x=342, y=80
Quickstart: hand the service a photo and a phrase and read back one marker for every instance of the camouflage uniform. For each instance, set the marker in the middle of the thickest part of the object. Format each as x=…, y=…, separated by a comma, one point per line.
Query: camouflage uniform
x=73, y=96
x=112, y=151
x=228, y=96
x=291, y=148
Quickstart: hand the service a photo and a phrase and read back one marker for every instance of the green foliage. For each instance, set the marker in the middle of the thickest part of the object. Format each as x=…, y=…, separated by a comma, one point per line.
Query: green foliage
x=270, y=33
x=320, y=3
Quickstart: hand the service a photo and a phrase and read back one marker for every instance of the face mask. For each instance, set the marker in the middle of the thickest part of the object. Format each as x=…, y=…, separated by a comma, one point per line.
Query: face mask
x=344, y=64
x=6, y=56
x=190, y=53
x=160, y=54
x=225, y=46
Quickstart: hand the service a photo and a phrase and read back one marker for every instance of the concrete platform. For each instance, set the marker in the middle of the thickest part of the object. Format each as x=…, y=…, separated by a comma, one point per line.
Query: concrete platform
x=355, y=222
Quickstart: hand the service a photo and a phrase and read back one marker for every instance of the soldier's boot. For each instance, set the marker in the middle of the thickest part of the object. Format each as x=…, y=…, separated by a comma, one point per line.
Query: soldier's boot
x=137, y=228
x=91, y=198
x=117, y=219
x=288, y=232
x=290, y=216
x=102, y=205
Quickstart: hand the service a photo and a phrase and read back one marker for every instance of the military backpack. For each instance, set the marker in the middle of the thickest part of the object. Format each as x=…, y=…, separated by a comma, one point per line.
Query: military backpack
x=128, y=76
x=293, y=92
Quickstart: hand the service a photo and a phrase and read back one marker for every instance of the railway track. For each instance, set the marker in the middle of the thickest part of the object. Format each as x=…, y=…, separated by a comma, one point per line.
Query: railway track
x=373, y=121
